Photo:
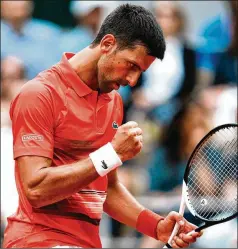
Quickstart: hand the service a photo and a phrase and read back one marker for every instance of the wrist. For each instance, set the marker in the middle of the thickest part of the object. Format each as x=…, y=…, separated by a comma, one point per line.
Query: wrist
x=147, y=223
x=116, y=150
x=105, y=159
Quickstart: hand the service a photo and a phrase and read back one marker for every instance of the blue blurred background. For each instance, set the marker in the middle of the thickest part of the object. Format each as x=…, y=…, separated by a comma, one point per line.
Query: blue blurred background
x=176, y=102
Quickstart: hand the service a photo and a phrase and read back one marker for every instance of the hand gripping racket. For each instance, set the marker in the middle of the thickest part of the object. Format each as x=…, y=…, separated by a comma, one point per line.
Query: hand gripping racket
x=210, y=180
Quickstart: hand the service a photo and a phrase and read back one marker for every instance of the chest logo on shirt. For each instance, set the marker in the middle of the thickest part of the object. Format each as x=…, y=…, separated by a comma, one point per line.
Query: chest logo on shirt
x=34, y=137
x=114, y=125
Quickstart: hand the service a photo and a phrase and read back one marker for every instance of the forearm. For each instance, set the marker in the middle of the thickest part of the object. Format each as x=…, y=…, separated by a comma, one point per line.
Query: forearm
x=121, y=205
x=53, y=184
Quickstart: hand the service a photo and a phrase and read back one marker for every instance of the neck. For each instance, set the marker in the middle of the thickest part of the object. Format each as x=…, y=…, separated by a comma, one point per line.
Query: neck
x=84, y=64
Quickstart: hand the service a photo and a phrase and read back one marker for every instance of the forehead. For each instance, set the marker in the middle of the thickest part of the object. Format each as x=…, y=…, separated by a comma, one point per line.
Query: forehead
x=138, y=55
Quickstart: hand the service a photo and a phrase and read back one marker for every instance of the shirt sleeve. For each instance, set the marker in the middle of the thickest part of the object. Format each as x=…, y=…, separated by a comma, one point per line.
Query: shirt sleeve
x=33, y=121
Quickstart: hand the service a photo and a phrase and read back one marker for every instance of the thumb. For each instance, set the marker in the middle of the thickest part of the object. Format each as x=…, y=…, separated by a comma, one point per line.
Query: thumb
x=177, y=217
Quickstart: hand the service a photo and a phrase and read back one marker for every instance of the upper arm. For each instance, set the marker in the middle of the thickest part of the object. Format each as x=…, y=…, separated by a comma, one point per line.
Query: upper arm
x=33, y=132
x=29, y=170
x=32, y=117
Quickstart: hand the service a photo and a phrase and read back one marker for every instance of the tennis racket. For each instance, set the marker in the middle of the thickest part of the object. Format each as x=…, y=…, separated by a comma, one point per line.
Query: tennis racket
x=210, y=181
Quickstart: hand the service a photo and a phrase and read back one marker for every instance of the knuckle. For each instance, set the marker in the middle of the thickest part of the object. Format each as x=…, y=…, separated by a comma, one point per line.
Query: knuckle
x=139, y=131
x=131, y=123
x=135, y=123
x=173, y=213
x=138, y=139
x=136, y=131
x=126, y=133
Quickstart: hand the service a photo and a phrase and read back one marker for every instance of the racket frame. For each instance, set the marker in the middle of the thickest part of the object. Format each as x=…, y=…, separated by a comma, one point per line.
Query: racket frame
x=185, y=180
x=184, y=199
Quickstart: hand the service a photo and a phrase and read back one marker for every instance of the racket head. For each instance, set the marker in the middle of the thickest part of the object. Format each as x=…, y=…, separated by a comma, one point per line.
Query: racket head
x=207, y=182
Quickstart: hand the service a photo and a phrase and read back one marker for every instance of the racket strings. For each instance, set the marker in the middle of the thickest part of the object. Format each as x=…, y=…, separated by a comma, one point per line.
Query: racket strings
x=216, y=203
x=212, y=180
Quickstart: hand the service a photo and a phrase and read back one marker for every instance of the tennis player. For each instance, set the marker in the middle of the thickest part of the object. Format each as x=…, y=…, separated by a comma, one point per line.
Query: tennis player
x=69, y=141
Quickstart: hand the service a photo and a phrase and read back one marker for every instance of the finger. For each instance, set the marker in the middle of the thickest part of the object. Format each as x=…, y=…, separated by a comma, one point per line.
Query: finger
x=173, y=244
x=139, y=139
x=188, y=238
x=180, y=243
x=135, y=131
x=189, y=226
x=174, y=216
x=196, y=234
x=130, y=124
x=200, y=233
x=138, y=146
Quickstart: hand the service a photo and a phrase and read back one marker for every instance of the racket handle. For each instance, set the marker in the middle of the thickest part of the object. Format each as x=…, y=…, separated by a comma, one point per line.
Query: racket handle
x=167, y=246
x=177, y=226
x=175, y=231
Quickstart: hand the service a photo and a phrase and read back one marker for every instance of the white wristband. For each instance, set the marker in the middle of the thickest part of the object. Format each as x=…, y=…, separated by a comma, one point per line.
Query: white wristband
x=105, y=159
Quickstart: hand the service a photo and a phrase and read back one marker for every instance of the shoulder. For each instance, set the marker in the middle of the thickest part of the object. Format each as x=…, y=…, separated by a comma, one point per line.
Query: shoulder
x=33, y=87
x=35, y=92
x=33, y=100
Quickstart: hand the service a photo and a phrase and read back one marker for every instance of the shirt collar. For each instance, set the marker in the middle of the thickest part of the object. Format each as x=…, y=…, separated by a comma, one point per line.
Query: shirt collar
x=73, y=79
x=71, y=76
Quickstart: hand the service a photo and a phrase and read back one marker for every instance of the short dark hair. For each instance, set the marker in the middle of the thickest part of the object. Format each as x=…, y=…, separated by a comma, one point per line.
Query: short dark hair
x=133, y=25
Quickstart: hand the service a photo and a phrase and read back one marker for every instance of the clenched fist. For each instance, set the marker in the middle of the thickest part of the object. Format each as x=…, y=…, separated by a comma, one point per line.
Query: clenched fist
x=127, y=142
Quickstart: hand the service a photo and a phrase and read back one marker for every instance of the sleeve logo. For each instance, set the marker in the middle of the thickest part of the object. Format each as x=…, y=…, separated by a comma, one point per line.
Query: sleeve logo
x=34, y=137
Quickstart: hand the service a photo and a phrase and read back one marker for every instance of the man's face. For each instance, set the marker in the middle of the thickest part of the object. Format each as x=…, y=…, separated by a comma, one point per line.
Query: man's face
x=122, y=67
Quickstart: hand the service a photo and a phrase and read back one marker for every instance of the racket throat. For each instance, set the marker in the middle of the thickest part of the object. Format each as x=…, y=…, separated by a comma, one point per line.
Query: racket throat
x=199, y=229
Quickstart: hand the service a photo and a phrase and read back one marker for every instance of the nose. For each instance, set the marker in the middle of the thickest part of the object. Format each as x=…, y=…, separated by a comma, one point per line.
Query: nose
x=133, y=78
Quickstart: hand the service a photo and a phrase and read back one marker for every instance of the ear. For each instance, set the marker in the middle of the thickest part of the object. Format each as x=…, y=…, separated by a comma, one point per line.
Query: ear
x=107, y=43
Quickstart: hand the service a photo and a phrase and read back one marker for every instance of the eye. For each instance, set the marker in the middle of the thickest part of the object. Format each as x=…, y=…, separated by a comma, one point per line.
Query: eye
x=132, y=66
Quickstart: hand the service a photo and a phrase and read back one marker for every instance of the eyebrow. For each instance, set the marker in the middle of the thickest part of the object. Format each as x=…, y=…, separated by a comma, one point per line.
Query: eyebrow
x=132, y=61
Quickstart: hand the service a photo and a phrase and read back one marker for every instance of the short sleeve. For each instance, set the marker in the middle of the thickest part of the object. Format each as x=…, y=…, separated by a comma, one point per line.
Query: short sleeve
x=32, y=115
